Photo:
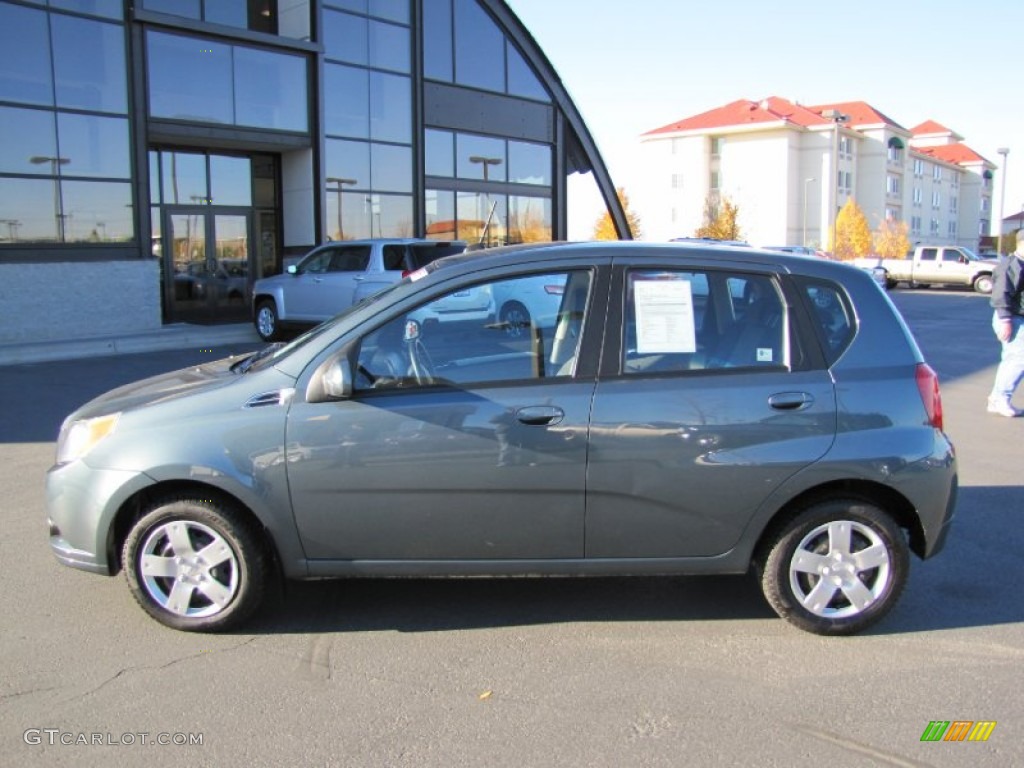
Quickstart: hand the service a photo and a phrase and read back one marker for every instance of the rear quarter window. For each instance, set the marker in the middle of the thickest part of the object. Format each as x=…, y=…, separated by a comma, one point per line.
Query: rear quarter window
x=832, y=317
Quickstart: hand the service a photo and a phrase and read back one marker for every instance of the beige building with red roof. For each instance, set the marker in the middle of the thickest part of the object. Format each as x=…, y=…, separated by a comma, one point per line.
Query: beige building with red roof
x=789, y=167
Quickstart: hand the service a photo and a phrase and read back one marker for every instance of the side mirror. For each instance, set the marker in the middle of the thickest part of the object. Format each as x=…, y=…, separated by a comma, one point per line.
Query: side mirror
x=332, y=381
x=292, y=269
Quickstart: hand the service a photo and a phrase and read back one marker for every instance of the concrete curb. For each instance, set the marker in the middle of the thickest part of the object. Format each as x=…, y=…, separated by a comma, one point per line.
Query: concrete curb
x=179, y=336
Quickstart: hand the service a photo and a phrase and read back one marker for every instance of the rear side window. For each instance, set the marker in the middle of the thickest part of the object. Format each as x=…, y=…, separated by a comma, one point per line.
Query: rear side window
x=354, y=259
x=692, y=321
x=421, y=255
x=832, y=317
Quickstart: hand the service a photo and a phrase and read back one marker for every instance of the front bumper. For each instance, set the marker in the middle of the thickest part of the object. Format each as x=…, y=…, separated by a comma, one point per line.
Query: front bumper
x=82, y=504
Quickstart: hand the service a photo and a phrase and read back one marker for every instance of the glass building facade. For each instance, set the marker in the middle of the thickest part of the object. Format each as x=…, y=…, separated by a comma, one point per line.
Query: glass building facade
x=156, y=142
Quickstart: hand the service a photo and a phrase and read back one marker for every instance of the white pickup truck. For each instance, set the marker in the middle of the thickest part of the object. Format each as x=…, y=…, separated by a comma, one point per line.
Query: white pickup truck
x=936, y=265
x=336, y=275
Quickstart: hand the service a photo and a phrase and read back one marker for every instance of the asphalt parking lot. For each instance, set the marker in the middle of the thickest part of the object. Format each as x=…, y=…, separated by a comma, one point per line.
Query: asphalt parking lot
x=598, y=672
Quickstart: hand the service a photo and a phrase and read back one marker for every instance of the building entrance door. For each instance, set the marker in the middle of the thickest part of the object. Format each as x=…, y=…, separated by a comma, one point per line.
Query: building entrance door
x=207, y=264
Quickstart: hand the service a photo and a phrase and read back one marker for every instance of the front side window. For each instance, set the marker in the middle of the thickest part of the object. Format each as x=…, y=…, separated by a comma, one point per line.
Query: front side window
x=516, y=329
x=692, y=321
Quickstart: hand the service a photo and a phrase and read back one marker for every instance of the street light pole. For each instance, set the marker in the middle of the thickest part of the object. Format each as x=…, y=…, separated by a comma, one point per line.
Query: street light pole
x=340, y=182
x=806, y=182
x=54, y=162
x=1004, y=151
x=486, y=162
x=836, y=117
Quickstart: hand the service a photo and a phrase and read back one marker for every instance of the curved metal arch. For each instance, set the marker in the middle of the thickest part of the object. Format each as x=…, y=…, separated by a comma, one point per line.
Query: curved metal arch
x=528, y=46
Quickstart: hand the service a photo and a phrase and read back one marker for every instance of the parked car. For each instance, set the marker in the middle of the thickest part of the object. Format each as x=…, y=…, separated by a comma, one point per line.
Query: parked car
x=691, y=410
x=335, y=276
x=937, y=265
x=800, y=250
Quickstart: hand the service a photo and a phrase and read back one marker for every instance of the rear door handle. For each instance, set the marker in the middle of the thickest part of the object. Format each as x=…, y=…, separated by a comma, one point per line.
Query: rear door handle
x=791, y=401
x=540, y=415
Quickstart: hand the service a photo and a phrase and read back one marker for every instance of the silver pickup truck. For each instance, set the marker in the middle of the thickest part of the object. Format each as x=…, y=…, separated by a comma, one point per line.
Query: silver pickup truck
x=336, y=275
x=937, y=265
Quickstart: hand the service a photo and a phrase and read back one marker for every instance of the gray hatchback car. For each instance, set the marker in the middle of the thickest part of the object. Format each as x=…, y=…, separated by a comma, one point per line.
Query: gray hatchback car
x=692, y=409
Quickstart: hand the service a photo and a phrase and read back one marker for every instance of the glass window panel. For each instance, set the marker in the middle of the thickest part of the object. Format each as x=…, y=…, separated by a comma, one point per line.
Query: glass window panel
x=94, y=146
x=154, y=177
x=346, y=101
x=439, y=153
x=481, y=217
x=392, y=216
x=189, y=78
x=479, y=48
x=393, y=10
x=25, y=72
x=437, y=40
x=230, y=180
x=391, y=167
x=440, y=211
x=97, y=212
x=352, y=221
x=389, y=46
x=187, y=8
x=233, y=13
x=112, y=9
x=359, y=6
x=349, y=162
x=184, y=178
x=390, y=108
x=521, y=79
x=30, y=210
x=480, y=157
x=529, y=219
x=27, y=133
x=156, y=229
x=345, y=37
x=264, y=180
x=270, y=90
x=529, y=163
x=89, y=64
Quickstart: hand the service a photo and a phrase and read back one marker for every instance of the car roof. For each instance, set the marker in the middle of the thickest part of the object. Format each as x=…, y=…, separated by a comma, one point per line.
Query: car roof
x=686, y=252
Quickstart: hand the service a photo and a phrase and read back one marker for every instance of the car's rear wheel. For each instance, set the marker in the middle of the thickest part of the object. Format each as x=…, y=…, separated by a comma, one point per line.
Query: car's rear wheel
x=983, y=284
x=836, y=568
x=267, y=325
x=515, y=318
x=196, y=564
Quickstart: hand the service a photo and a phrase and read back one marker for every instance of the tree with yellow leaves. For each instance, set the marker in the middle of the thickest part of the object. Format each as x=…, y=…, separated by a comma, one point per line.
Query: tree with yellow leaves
x=721, y=222
x=604, y=228
x=852, y=233
x=891, y=240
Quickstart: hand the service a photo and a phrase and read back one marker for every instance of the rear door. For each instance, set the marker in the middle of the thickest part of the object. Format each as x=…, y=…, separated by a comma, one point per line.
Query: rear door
x=706, y=403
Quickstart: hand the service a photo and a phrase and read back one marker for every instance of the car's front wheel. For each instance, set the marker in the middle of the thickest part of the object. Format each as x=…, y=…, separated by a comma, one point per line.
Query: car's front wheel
x=267, y=325
x=196, y=564
x=836, y=568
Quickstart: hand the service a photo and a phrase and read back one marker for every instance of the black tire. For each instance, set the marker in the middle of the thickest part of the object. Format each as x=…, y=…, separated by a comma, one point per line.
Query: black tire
x=211, y=565
x=266, y=321
x=516, y=319
x=983, y=284
x=870, y=567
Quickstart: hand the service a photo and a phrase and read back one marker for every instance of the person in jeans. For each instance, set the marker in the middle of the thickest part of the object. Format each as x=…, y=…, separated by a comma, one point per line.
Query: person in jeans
x=1007, y=320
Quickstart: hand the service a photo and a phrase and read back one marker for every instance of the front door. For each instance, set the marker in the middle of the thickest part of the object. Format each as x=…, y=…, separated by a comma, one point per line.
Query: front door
x=207, y=264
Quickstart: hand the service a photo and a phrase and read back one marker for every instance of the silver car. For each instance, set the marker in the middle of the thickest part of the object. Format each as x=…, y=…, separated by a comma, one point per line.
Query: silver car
x=690, y=410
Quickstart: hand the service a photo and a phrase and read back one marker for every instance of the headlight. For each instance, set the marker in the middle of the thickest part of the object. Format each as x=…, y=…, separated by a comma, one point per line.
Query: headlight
x=80, y=437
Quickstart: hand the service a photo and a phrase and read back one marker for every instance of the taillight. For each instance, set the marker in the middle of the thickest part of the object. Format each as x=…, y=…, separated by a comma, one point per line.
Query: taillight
x=928, y=386
x=554, y=290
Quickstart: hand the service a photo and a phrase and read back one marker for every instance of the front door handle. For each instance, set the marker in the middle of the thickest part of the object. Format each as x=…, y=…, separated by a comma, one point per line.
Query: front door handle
x=791, y=401
x=540, y=415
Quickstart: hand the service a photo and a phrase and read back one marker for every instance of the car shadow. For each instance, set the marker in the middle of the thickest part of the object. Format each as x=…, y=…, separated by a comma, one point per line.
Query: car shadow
x=953, y=591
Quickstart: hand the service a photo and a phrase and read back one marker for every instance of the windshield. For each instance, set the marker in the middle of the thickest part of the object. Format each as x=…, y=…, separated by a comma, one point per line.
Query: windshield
x=971, y=255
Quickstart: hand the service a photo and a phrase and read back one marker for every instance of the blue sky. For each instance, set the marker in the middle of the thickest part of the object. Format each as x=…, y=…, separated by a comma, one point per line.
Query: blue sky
x=635, y=66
